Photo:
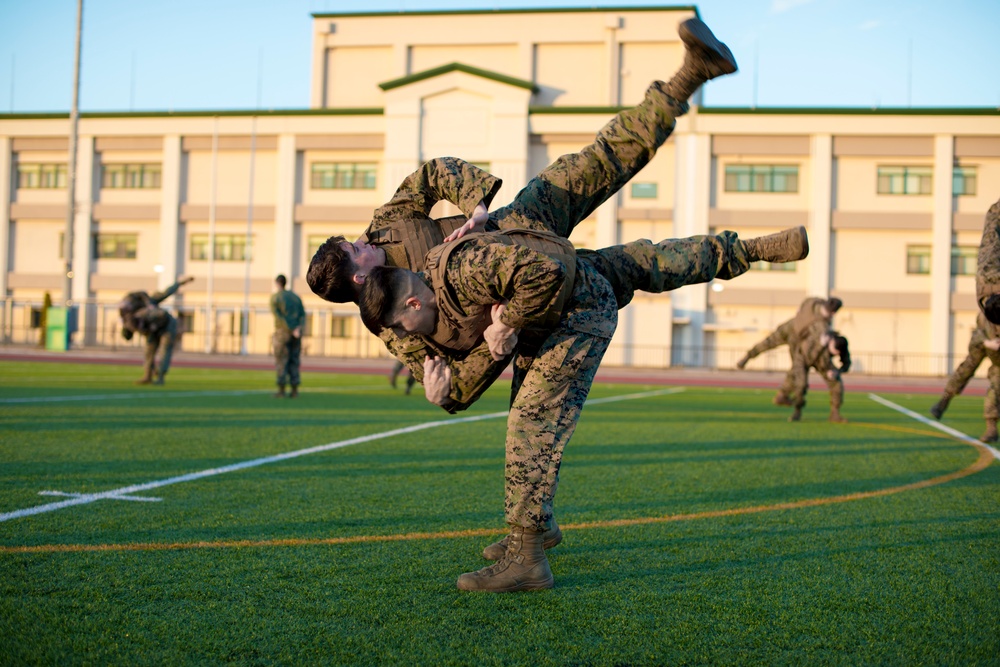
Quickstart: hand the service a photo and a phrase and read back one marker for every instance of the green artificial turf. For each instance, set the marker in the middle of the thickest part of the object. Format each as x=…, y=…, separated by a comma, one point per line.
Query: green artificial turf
x=274, y=564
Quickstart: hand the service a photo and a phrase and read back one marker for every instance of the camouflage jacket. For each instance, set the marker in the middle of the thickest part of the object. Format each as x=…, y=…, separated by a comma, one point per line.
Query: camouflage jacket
x=988, y=266
x=287, y=309
x=809, y=313
x=140, y=312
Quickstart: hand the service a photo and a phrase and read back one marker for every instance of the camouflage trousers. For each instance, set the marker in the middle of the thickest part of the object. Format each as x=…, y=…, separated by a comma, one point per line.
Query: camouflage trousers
x=571, y=188
x=781, y=336
x=162, y=341
x=796, y=383
x=551, y=388
x=287, y=356
x=551, y=383
x=958, y=380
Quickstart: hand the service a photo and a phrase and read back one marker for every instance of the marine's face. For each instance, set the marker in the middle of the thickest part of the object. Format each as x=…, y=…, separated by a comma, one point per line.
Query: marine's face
x=364, y=257
x=417, y=316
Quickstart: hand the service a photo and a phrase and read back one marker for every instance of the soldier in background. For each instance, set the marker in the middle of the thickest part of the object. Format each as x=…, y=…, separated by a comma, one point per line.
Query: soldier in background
x=988, y=266
x=141, y=314
x=810, y=310
x=289, y=317
x=816, y=349
x=397, y=368
x=984, y=342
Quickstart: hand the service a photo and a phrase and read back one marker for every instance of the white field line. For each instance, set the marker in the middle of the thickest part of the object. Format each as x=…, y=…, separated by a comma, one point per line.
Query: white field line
x=138, y=488
x=174, y=394
x=938, y=425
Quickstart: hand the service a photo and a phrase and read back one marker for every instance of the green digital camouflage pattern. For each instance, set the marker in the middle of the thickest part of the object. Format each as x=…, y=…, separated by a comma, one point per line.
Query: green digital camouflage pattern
x=286, y=306
x=960, y=377
x=556, y=200
x=988, y=266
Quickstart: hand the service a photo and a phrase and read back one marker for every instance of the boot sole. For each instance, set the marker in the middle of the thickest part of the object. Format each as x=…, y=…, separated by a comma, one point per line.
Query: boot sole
x=697, y=35
x=804, y=236
x=527, y=586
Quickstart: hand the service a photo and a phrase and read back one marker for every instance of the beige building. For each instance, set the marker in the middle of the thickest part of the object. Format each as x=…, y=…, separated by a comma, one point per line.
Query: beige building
x=893, y=199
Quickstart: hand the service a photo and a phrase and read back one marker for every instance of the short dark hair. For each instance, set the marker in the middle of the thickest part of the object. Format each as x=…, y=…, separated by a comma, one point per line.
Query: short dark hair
x=834, y=304
x=383, y=289
x=281, y=280
x=840, y=343
x=331, y=272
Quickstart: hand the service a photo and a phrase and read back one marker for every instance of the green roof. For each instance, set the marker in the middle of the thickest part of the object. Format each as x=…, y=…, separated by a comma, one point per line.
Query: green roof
x=458, y=67
x=358, y=111
x=526, y=10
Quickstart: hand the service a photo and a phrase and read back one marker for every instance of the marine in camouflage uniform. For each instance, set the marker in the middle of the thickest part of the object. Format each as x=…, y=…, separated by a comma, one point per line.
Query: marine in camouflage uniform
x=985, y=337
x=815, y=349
x=289, y=317
x=557, y=363
x=988, y=266
x=141, y=314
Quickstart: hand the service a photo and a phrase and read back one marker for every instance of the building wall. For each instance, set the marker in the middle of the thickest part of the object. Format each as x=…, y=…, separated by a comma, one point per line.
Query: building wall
x=533, y=85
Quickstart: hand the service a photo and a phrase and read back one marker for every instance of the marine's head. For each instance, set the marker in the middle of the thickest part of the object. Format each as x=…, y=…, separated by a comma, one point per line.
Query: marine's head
x=397, y=299
x=339, y=268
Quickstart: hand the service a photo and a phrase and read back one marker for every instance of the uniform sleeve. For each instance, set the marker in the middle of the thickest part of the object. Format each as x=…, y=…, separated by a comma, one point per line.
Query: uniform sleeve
x=296, y=316
x=160, y=296
x=471, y=375
x=447, y=178
x=988, y=267
x=527, y=280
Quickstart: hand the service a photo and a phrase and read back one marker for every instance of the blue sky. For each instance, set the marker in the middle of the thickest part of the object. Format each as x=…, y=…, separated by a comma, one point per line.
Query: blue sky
x=244, y=54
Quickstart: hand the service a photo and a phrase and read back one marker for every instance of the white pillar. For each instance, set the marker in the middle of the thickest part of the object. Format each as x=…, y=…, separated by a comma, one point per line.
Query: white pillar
x=170, y=206
x=6, y=178
x=83, y=220
x=693, y=184
x=284, y=210
x=402, y=143
x=820, y=214
x=940, y=322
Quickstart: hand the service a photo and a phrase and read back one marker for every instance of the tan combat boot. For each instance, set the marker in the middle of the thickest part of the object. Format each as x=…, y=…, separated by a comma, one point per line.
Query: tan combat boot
x=790, y=245
x=295, y=391
x=281, y=391
x=146, y=378
x=781, y=398
x=522, y=568
x=550, y=538
x=159, y=377
x=705, y=57
x=937, y=410
x=796, y=415
x=836, y=417
x=742, y=363
x=990, y=434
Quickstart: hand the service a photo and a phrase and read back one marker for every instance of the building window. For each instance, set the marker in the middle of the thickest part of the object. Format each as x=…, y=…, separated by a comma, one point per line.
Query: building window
x=905, y=180
x=762, y=178
x=339, y=326
x=918, y=259
x=41, y=176
x=312, y=245
x=130, y=176
x=644, y=191
x=768, y=266
x=228, y=247
x=114, y=246
x=343, y=176
x=963, y=181
x=963, y=260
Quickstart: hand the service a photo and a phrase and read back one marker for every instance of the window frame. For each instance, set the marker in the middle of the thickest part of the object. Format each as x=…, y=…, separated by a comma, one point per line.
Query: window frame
x=343, y=175
x=761, y=178
x=900, y=180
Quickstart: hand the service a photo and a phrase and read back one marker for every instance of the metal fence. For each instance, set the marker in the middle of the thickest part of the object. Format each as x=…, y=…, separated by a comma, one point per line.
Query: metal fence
x=338, y=332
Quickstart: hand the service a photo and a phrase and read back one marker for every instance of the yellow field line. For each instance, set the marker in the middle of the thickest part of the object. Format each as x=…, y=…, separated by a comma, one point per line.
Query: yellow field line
x=984, y=460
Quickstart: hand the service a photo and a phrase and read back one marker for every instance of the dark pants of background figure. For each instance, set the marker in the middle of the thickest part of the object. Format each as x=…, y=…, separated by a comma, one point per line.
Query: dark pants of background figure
x=164, y=341
x=287, y=357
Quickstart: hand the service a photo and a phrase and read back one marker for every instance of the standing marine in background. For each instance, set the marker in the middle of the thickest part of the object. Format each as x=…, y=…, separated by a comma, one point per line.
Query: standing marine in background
x=141, y=314
x=397, y=368
x=289, y=318
x=984, y=342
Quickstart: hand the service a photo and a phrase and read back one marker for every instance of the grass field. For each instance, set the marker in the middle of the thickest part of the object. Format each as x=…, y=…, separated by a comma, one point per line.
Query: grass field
x=700, y=528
